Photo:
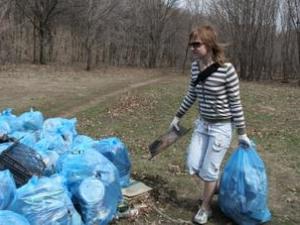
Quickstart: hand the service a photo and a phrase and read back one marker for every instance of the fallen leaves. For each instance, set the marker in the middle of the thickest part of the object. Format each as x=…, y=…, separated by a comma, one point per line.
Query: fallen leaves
x=130, y=104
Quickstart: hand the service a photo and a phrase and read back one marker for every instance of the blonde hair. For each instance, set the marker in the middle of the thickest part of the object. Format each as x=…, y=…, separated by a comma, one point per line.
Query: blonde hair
x=208, y=36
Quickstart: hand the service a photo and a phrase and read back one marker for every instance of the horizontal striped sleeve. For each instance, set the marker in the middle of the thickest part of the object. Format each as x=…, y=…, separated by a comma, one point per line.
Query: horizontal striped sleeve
x=191, y=94
x=233, y=91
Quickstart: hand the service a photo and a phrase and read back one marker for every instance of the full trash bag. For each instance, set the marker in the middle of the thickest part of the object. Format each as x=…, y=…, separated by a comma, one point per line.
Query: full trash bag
x=27, y=138
x=64, y=128
x=53, y=143
x=115, y=150
x=45, y=201
x=81, y=143
x=11, y=218
x=78, y=167
x=32, y=120
x=95, y=203
x=12, y=120
x=4, y=127
x=49, y=158
x=7, y=189
x=243, y=189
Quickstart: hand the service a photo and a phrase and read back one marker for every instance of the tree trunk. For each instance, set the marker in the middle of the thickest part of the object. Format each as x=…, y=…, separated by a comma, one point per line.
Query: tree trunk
x=298, y=38
x=34, y=45
x=50, y=45
x=185, y=57
x=89, y=58
x=42, y=46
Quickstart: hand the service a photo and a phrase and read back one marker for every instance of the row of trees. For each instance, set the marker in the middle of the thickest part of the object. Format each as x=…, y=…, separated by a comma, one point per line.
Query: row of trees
x=263, y=36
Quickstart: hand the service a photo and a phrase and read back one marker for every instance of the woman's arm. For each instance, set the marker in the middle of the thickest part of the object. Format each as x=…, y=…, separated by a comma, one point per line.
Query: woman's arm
x=233, y=92
x=191, y=95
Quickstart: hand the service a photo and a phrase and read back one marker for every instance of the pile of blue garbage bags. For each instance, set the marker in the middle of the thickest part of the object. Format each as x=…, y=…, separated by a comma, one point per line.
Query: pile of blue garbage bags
x=82, y=180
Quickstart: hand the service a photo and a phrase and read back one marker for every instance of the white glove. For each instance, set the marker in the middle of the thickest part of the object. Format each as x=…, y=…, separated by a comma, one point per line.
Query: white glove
x=243, y=139
x=175, y=123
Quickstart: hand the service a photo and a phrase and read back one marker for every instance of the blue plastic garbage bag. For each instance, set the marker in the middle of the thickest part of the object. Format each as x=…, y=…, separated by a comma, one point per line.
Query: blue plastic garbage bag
x=76, y=167
x=53, y=143
x=32, y=120
x=95, y=202
x=45, y=201
x=11, y=218
x=90, y=163
x=116, y=151
x=65, y=128
x=7, y=189
x=82, y=139
x=49, y=158
x=81, y=143
x=243, y=189
x=27, y=138
x=4, y=127
x=12, y=120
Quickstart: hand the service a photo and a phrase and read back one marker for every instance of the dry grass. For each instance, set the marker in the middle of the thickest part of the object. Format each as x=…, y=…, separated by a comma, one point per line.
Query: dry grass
x=55, y=89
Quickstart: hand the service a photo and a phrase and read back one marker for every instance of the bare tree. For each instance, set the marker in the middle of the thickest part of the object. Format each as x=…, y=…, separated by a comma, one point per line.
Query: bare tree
x=289, y=41
x=42, y=14
x=294, y=17
x=5, y=6
x=197, y=10
x=245, y=24
x=91, y=16
x=156, y=14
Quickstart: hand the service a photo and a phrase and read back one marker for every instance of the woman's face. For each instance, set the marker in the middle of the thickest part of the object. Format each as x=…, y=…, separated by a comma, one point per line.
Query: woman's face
x=198, y=48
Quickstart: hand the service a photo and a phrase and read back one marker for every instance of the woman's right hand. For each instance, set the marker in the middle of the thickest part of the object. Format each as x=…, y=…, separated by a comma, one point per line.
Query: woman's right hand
x=175, y=123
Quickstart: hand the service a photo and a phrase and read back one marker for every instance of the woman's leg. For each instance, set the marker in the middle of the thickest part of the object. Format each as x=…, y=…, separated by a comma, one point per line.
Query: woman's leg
x=197, y=149
x=208, y=193
x=205, y=212
x=218, y=143
x=201, y=183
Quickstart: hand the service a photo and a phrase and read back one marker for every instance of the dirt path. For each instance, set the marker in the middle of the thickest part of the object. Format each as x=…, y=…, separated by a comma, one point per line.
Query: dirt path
x=97, y=100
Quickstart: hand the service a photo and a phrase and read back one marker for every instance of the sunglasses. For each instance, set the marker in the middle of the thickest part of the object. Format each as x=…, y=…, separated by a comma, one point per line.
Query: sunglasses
x=196, y=44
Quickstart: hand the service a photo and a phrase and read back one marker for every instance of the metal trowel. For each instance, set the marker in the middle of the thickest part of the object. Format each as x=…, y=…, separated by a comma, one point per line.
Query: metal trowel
x=167, y=139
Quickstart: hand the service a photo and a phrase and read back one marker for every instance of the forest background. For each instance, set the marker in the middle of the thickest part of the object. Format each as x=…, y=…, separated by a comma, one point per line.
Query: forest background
x=262, y=36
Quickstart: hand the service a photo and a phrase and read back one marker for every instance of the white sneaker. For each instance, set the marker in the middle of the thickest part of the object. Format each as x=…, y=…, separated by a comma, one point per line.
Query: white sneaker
x=202, y=216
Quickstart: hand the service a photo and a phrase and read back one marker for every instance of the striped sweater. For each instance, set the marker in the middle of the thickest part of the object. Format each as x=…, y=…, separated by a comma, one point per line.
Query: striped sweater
x=218, y=96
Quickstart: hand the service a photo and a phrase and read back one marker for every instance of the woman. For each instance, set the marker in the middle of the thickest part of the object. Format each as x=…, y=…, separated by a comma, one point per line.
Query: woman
x=215, y=85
